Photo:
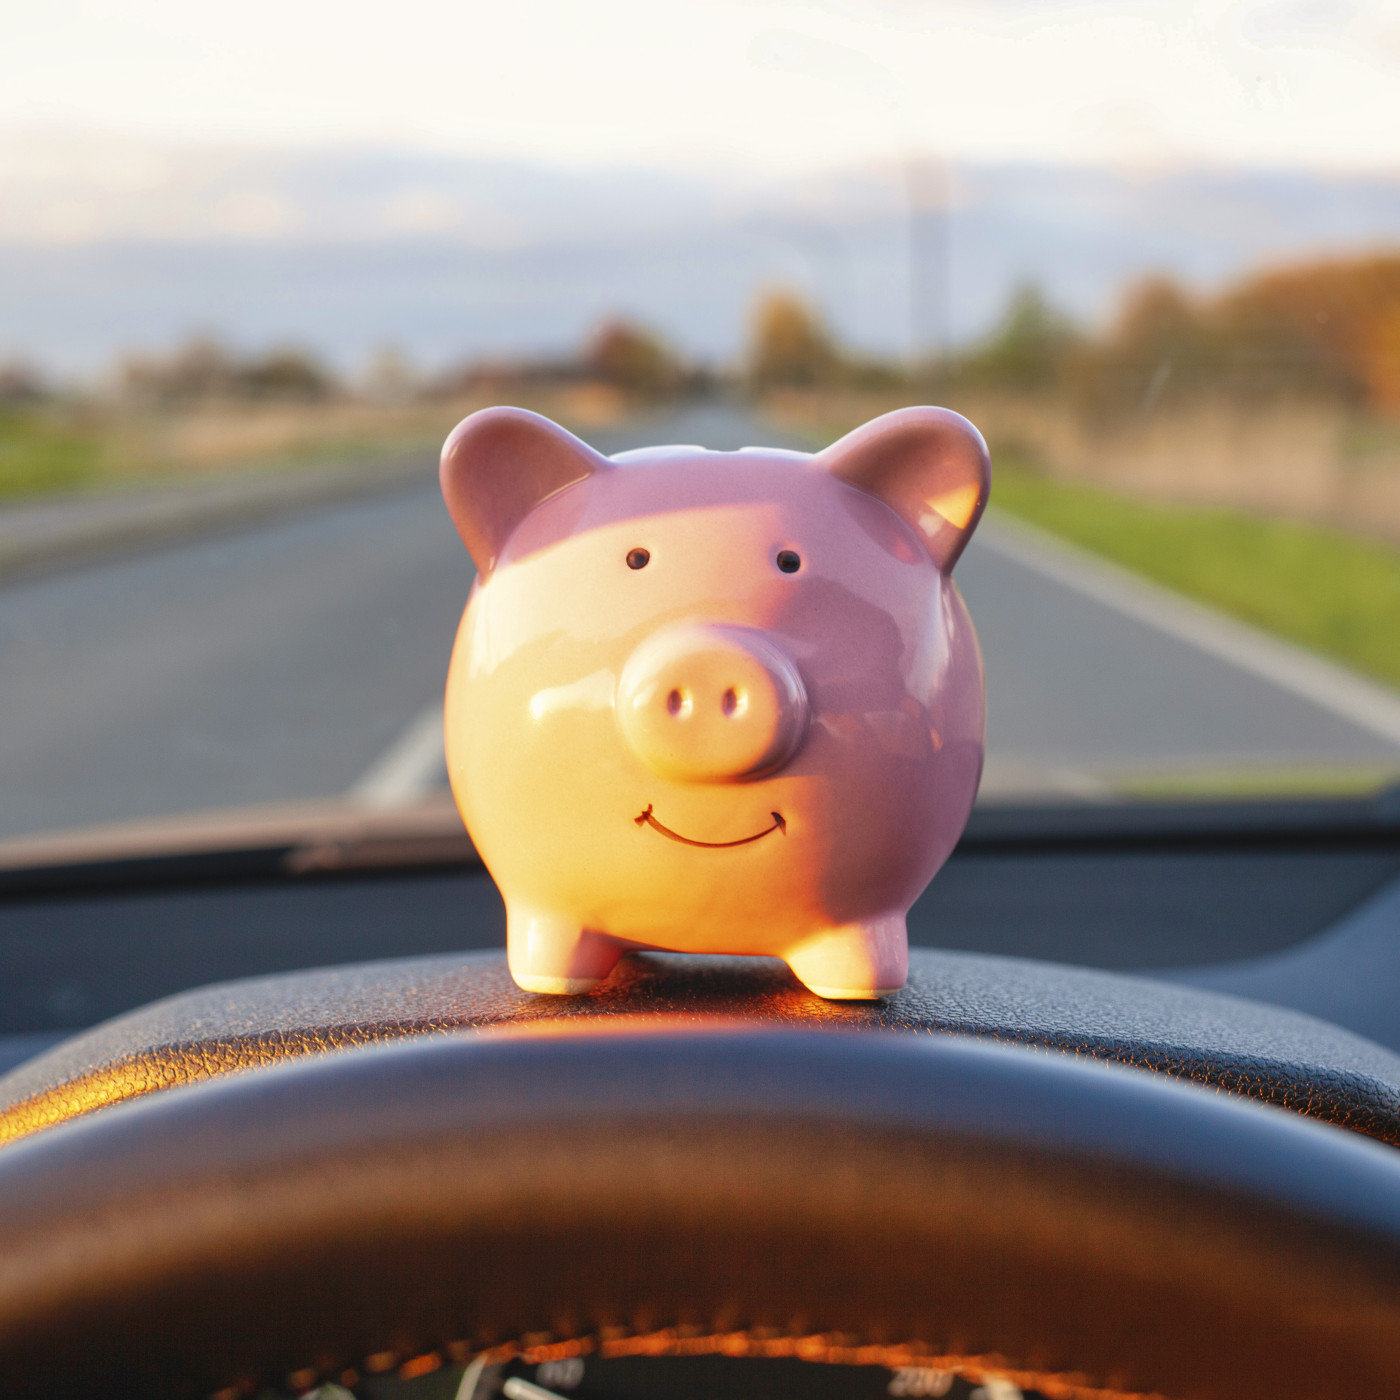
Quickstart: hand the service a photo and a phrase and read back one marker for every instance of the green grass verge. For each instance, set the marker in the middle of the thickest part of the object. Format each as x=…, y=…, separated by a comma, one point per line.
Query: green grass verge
x=1228, y=783
x=42, y=456
x=38, y=455
x=1333, y=592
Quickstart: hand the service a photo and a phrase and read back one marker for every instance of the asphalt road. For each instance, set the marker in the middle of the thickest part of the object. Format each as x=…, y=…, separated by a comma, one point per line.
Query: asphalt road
x=286, y=660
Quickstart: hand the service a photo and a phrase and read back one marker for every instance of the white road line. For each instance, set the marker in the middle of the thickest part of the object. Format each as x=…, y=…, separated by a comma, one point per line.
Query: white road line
x=411, y=767
x=1364, y=703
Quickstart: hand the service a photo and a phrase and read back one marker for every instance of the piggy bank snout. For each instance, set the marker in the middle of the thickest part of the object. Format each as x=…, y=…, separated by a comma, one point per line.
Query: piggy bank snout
x=711, y=704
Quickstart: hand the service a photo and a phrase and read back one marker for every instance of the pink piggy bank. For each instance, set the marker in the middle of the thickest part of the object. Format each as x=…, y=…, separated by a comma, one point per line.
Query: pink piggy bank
x=715, y=702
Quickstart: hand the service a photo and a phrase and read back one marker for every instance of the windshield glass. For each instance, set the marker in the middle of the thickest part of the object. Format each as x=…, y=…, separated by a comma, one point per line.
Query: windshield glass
x=254, y=269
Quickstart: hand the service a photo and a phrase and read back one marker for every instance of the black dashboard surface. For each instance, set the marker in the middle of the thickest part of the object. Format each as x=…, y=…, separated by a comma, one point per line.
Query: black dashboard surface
x=1150, y=888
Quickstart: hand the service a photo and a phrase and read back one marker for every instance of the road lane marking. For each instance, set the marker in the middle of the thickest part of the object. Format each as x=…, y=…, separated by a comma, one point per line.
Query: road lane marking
x=1367, y=704
x=413, y=766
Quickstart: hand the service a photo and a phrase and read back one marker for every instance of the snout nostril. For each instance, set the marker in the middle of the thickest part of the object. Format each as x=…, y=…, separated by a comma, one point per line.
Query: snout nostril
x=711, y=704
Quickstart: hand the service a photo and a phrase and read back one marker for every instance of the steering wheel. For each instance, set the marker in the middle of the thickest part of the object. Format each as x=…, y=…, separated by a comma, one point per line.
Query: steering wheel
x=646, y=1183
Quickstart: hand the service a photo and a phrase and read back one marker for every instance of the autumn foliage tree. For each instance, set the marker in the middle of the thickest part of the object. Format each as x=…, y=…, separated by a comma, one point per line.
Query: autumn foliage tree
x=1383, y=361
x=1030, y=351
x=634, y=360
x=203, y=371
x=1323, y=331
x=789, y=347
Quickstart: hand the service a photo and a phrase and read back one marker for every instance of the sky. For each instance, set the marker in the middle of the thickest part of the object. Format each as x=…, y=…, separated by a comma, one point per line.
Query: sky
x=164, y=163
x=739, y=84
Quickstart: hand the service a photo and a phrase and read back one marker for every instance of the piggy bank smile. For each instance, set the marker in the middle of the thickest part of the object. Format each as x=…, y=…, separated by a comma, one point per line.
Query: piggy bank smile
x=647, y=818
x=676, y=662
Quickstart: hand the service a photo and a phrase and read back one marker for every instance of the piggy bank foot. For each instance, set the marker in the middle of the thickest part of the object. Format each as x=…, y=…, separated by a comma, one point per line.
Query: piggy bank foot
x=552, y=955
x=854, y=962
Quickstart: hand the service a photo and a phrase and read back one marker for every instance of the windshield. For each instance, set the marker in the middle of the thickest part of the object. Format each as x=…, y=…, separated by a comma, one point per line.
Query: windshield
x=254, y=268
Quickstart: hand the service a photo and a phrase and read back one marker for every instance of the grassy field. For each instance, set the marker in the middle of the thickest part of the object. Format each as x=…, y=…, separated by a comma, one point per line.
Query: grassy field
x=1334, y=592
x=56, y=448
x=46, y=452
x=40, y=454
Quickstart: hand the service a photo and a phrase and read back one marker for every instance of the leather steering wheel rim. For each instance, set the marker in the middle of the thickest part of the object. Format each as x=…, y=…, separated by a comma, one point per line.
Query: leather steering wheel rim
x=867, y=1197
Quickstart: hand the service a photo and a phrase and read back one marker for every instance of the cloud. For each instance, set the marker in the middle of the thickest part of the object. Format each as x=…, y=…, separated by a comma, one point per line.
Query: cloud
x=701, y=84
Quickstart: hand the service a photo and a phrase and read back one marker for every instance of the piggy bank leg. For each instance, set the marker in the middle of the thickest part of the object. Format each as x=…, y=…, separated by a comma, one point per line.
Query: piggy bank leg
x=549, y=954
x=854, y=962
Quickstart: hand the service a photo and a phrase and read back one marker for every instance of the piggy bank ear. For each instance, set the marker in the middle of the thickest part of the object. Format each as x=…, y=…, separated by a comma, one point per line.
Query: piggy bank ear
x=498, y=465
x=930, y=464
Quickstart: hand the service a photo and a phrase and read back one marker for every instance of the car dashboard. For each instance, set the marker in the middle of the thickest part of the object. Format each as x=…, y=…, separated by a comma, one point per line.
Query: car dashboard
x=1213, y=894
x=1078, y=975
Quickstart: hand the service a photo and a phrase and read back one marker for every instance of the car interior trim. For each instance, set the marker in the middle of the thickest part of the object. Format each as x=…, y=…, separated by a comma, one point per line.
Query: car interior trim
x=1265, y=1053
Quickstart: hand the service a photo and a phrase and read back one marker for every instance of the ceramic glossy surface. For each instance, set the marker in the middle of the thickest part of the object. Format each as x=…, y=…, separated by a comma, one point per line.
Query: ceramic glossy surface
x=715, y=702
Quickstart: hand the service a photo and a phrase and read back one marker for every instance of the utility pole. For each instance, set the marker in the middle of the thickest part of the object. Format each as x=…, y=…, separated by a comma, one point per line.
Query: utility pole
x=927, y=198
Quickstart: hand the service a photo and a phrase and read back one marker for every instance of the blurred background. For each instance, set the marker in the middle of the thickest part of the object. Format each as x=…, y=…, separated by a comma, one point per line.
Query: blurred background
x=255, y=263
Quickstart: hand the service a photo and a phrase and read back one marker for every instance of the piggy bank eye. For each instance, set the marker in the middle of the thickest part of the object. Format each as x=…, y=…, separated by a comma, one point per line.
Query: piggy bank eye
x=638, y=558
x=789, y=561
